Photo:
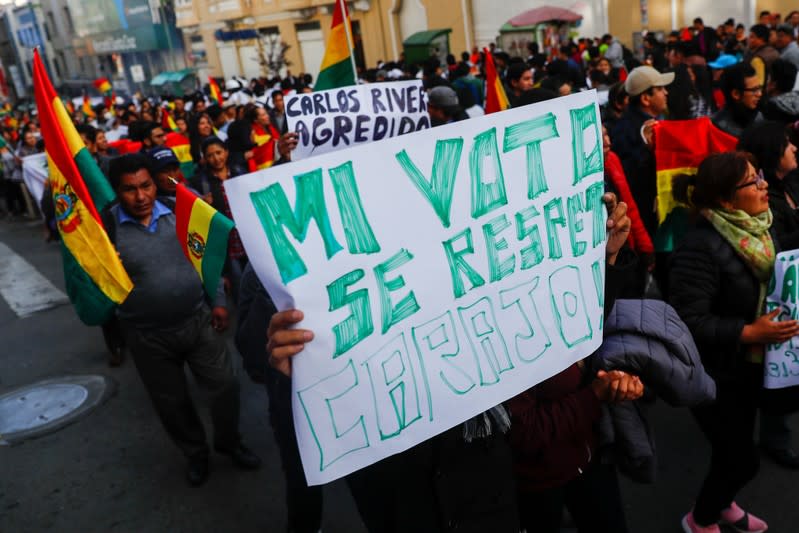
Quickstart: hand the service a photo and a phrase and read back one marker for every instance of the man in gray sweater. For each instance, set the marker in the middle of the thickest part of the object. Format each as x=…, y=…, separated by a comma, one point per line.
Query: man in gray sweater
x=167, y=322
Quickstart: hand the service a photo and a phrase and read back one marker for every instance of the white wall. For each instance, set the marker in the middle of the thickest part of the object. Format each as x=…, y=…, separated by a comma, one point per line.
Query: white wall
x=490, y=15
x=714, y=12
x=412, y=18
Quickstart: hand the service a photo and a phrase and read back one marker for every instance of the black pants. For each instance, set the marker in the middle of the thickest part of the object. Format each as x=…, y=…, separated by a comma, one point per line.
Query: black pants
x=729, y=426
x=160, y=356
x=15, y=200
x=593, y=500
x=304, y=503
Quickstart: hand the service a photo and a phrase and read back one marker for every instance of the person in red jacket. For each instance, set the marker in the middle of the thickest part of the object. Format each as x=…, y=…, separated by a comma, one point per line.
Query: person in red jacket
x=639, y=240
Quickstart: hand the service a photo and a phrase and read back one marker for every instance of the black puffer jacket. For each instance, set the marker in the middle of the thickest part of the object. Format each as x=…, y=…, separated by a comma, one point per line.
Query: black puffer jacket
x=715, y=293
x=786, y=218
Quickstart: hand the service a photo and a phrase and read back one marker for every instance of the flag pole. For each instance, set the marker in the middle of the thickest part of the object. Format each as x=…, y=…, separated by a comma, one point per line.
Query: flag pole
x=347, y=29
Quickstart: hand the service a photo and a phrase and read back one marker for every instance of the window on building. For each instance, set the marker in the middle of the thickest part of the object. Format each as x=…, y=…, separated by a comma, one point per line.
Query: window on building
x=57, y=65
x=47, y=31
x=51, y=21
x=358, y=44
x=81, y=65
x=68, y=20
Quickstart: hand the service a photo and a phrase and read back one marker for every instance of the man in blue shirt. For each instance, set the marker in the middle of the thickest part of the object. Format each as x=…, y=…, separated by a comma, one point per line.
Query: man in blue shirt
x=168, y=322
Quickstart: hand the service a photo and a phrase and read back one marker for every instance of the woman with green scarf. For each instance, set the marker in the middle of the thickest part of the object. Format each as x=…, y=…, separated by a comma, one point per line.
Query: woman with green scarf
x=718, y=279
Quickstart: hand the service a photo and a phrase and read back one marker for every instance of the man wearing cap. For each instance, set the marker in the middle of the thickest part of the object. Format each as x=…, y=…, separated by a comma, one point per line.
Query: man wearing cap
x=786, y=44
x=632, y=136
x=165, y=167
x=443, y=106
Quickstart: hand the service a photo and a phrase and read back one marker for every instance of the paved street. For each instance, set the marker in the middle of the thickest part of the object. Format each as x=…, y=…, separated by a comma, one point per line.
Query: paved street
x=115, y=469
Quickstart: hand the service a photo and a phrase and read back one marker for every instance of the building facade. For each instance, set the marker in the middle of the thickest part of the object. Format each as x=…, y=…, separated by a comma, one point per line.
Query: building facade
x=232, y=37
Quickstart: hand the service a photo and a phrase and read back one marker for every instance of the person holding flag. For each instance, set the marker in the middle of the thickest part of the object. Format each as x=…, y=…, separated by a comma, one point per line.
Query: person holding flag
x=174, y=317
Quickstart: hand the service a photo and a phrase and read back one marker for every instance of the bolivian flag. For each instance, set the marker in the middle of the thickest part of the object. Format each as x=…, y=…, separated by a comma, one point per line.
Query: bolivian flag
x=216, y=94
x=264, y=152
x=337, y=69
x=88, y=112
x=496, y=99
x=104, y=86
x=203, y=233
x=182, y=147
x=95, y=278
x=680, y=145
x=167, y=122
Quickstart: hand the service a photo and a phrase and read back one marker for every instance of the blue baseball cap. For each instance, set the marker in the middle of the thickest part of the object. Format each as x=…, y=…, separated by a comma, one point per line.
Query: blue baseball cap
x=161, y=158
x=723, y=61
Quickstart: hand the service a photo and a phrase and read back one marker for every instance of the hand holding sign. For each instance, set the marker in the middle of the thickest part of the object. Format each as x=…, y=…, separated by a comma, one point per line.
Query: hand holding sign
x=284, y=342
x=765, y=330
x=618, y=226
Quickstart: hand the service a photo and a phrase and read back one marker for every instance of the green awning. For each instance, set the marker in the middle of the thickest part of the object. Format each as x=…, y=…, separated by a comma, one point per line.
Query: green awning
x=176, y=76
x=423, y=38
x=507, y=28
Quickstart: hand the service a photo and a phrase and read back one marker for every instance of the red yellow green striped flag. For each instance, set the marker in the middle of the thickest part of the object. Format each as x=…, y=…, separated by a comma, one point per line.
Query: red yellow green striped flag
x=264, y=151
x=182, y=147
x=680, y=145
x=338, y=68
x=167, y=122
x=95, y=279
x=496, y=99
x=216, y=94
x=104, y=86
x=88, y=112
x=203, y=234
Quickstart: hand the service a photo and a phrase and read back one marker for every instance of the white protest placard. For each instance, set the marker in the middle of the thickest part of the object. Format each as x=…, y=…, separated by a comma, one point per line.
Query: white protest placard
x=34, y=174
x=442, y=273
x=331, y=120
x=781, y=365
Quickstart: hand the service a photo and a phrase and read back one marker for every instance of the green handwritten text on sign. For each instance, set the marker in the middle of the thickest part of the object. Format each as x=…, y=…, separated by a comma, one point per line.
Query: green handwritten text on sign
x=442, y=272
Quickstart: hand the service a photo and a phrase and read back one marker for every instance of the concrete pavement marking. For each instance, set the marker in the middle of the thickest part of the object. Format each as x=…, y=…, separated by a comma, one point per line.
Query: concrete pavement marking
x=23, y=287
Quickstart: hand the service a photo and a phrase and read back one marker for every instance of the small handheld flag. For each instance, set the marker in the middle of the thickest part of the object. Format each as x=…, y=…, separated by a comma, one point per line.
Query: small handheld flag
x=496, y=99
x=203, y=234
x=216, y=94
x=88, y=112
x=167, y=122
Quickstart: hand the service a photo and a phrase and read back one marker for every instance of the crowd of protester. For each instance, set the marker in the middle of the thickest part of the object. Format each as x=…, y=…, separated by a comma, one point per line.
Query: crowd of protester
x=543, y=450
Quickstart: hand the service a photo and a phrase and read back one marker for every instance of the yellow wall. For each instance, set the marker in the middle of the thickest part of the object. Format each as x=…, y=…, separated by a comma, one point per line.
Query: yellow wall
x=374, y=24
x=783, y=7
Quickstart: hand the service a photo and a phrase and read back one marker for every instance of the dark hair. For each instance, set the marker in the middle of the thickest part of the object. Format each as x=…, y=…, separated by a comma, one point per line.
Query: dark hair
x=714, y=182
x=616, y=93
x=766, y=141
x=147, y=130
x=784, y=75
x=210, y=141
x=516, y=71
x=761, y=31
x=251, y=112
x=276, y=92
x=88, y=130
x=733, y=78
x=698, y=20
x=126, y=164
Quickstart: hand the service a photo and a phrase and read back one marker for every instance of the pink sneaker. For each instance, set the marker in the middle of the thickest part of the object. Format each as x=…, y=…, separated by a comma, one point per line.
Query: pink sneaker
x=689, y=526
x=742, y=521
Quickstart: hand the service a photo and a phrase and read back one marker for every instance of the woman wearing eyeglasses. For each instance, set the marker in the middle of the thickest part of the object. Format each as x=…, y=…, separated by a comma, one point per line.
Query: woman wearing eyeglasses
x=718, y=280
x=776, y=156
